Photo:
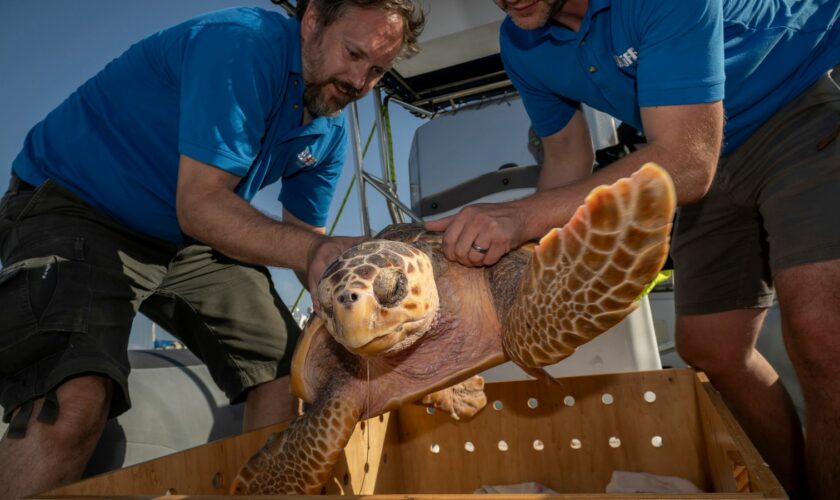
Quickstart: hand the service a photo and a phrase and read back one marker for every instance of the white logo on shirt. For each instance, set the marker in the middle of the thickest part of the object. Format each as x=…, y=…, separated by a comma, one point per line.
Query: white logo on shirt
x=627, y=58
x=305, y=159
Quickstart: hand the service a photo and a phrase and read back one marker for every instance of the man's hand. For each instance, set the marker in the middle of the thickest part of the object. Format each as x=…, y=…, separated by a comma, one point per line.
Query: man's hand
x=685, y=140
x=496, y=227
x=503, y=227
x=321, y=256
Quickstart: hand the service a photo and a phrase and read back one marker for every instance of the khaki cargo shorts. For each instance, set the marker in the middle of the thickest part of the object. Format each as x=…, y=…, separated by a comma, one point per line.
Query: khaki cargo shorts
x=774, y=204
x=73, y=280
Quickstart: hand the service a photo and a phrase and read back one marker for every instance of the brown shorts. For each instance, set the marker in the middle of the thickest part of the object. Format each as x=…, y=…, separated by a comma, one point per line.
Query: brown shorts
x=774, y=204
x=73, y=280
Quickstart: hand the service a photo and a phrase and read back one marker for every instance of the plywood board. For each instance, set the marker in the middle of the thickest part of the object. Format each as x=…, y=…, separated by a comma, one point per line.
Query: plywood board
x=371, y=459
x=540, y=441
x=733, y=461
x=208, y=469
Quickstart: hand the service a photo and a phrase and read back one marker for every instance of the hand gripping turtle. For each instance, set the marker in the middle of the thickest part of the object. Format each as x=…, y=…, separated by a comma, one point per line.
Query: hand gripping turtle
x=401, y=323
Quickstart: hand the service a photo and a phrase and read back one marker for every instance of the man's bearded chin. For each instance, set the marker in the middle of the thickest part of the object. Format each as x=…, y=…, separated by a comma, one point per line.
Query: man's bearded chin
x=554, y=8
x=320, y=105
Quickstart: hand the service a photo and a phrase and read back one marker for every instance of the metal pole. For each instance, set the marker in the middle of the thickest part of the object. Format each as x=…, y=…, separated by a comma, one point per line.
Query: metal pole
x=360, y=168
x=384, y=157
x=380, y=186
x=414, y=109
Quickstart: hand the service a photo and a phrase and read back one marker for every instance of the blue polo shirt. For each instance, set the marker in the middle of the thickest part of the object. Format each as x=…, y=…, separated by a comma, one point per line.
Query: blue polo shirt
x=755, y=55
x=225, y=89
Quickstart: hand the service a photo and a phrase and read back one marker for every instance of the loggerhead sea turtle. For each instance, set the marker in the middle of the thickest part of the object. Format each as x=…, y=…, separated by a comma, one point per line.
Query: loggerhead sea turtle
x=400, y=321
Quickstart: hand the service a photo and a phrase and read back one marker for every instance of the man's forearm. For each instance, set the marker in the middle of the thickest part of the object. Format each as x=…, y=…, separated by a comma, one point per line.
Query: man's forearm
x=685, y=140
x=554, y=207
x=232, y=226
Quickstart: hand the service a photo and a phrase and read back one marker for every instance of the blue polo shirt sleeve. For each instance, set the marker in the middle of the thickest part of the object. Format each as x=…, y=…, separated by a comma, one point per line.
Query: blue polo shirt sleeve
x=548, y=112
x=681, y=57
x=225, y=96
x=307, y=194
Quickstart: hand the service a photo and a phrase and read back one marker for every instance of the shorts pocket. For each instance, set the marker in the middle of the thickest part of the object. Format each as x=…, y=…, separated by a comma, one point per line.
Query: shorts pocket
x=17, y=315
x=18, y=324
x=49, y=283
x=59, y=295
x=44, y=300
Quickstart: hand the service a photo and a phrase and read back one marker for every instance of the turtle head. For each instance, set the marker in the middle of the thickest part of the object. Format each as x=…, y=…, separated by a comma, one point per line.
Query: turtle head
x=379, y=297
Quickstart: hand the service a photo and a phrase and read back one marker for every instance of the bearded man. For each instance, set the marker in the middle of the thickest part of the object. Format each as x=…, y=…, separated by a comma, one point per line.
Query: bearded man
x=133, y=194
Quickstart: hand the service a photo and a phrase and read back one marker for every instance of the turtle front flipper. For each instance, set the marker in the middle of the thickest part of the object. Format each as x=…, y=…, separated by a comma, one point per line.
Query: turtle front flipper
x=586, y=277
x=463, y=400
x=300, y=459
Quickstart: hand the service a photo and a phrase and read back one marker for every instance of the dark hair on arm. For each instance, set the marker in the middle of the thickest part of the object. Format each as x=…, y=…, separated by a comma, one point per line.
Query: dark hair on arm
x=329, y=11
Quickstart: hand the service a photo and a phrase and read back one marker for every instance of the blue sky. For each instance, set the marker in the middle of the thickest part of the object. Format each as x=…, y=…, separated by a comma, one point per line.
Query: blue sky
x=50, y=47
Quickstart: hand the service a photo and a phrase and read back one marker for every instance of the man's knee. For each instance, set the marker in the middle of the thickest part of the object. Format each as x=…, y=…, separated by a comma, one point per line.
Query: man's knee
x=83, y=405
x=718, y=343
x=696, y=350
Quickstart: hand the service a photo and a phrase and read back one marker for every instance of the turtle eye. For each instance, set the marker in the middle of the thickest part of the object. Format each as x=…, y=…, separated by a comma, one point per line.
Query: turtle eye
x=390, y=287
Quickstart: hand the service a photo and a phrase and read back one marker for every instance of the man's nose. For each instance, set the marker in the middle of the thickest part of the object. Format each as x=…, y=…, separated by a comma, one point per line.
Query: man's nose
x=359, y=77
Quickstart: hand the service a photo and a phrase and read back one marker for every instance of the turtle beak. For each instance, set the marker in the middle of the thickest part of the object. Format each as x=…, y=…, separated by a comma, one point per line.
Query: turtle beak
x=361, y=325
x=380, y=344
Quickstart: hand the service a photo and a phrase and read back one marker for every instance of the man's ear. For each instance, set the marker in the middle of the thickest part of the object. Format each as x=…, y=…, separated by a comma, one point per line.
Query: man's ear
x=309, y=22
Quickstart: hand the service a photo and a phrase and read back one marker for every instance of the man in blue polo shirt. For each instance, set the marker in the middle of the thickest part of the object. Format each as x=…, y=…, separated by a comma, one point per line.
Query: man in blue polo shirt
x=758, y=188
x=133, y=195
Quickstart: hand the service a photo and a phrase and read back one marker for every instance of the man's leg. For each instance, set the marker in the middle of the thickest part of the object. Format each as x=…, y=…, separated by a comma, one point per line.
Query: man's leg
x=54, y=454
x=809, y=297
x=723, y=346
x=68, y=293
x=230, y=316
x=269, y=403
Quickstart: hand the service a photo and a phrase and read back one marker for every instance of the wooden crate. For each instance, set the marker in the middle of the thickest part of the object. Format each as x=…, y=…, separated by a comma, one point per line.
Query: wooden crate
x=669, y=422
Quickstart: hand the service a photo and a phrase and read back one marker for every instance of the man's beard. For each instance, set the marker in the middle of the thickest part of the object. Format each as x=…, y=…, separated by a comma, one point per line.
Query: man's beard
x=321, y=105
x=554, y=8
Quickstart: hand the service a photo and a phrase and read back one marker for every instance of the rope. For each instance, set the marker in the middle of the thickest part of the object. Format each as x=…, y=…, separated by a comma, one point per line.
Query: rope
x=386, y=120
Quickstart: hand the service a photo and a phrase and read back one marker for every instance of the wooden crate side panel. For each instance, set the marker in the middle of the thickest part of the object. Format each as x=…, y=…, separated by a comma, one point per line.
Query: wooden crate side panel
x=390, y=478
x=367, y=464
x=209, y=469
x=440, y=463
x=735, y=465
x=204, y=470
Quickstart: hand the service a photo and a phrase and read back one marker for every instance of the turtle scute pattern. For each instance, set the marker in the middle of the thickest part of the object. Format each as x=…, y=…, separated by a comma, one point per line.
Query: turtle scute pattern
x=300, y=460
x=586, y=277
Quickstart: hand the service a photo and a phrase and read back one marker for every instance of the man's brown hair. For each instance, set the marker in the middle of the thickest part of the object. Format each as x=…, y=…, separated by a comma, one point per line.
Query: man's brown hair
x=413, y=17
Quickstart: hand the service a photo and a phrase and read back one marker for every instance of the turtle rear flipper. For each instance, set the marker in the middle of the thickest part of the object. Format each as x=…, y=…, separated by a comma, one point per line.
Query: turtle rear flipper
x=462, y=400
x=586, y=277
x=300, y=460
